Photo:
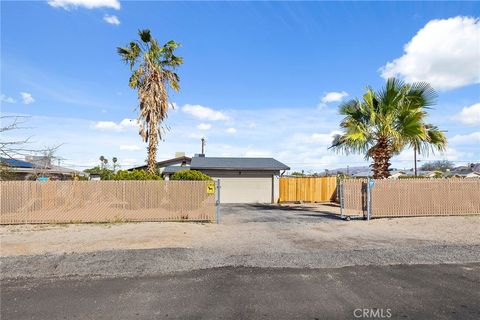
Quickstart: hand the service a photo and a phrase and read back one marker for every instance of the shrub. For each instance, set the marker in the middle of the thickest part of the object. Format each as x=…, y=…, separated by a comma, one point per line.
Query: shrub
x=135, y=175
x=105, y=174
x=189, y=175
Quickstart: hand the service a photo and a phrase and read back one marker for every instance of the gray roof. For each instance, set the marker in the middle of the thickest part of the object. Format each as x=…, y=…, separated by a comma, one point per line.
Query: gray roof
x=237, y=163
x=173, y=169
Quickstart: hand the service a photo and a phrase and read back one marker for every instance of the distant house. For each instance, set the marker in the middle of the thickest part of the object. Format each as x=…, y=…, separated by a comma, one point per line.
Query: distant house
x=394, y=174
x=473, y=175
x=180, y=160
x=16, y=169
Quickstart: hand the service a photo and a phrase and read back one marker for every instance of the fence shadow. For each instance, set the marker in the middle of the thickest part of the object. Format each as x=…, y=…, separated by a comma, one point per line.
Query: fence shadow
x=304, y=211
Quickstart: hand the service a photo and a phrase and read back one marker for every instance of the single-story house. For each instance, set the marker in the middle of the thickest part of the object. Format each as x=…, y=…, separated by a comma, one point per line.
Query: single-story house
x=473, y=175
x=16, y=169
x=243, y=180
x=180, y=160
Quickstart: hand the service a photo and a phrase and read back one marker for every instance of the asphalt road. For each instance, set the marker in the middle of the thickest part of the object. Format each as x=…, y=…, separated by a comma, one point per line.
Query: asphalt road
x=386, y=292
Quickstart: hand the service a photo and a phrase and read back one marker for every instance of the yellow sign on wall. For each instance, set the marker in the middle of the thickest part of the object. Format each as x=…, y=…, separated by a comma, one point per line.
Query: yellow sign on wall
x=211, y=188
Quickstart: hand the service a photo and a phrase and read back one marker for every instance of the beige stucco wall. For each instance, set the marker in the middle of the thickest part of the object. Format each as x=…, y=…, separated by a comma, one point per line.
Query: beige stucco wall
x=246, y=190
x=246, y=186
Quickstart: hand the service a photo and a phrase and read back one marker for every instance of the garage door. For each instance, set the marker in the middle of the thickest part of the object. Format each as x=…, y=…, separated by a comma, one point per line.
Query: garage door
x=246, y=190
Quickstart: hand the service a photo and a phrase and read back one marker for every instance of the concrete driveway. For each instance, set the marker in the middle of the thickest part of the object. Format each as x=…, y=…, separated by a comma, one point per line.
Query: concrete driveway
x=285, y=214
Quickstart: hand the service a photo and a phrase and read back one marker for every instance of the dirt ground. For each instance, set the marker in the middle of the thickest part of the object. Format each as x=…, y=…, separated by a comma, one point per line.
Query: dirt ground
x=245, y=229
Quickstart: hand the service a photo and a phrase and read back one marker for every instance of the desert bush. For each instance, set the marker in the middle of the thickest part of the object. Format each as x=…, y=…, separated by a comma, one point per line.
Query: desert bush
x=190, y=175
x=134, y=175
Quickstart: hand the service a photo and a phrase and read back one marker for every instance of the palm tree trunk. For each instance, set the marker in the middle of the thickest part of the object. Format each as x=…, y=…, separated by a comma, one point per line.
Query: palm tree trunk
x=152, y=148
x=381, y=154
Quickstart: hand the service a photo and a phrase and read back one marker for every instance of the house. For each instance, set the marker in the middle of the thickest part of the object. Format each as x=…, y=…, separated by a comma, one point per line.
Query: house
x=16, y=169
x=242, y=180
x=180, y=160
x=473, y=175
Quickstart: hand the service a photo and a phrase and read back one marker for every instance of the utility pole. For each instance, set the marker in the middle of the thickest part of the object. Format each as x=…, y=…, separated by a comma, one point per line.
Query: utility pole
x=203, y=145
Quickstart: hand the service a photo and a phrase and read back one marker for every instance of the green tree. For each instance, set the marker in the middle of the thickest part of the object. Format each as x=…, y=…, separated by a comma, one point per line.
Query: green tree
x=135, y=175
x=190, y=175
x=439, y=165
x=105, y=174
x=384, y=122
x=153, y=72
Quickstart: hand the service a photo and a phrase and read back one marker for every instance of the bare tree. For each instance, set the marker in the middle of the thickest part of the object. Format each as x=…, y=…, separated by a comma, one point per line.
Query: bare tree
x=18, y=148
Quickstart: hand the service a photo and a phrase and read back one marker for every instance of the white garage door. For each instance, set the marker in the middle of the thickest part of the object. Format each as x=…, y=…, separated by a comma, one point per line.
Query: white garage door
x=246, y=190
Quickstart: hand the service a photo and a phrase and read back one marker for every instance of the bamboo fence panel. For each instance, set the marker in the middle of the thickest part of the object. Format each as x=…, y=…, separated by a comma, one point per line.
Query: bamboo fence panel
x=308, y=189
x=413, y=197
x=104, y=201
x=354, y=196
x=425, y=197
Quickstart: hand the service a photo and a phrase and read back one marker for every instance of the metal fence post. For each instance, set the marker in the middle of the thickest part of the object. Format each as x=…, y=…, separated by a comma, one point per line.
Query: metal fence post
x=340, y=195
x=369, y=198
x=217, y=202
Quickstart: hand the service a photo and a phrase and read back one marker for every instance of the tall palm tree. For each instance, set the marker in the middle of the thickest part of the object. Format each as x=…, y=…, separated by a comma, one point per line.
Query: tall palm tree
x=153, y=72
x=114, y=160
x=383, y=123
x=102, y=162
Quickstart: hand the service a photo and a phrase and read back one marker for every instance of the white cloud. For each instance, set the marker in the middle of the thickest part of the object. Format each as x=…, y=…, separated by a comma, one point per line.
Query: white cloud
x=318, y=139
x=204, y=113
x=471, y=138
x=88, y=4
x=6, y=99
x=469, y=115
x=27, y=97
x=231, y=130
x=107, y=125
x=444, y=53
x=334, y=97
x=111, y=19
x=204, y=126
x=130, y=147
x=113, y=126
x=129, y=123
x=330, y=97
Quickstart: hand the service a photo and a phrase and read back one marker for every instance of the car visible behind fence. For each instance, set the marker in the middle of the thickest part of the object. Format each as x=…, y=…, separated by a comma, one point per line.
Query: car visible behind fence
x=106, y=201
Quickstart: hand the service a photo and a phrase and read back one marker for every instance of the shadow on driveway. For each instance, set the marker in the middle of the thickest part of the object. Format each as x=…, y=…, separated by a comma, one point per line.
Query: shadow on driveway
x=257, y=212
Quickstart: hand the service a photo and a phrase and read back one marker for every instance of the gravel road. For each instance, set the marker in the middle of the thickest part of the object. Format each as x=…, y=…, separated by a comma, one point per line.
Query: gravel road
x=250, y=235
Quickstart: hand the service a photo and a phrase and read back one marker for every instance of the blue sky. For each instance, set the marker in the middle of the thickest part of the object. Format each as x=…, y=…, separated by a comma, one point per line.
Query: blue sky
x=259, y=78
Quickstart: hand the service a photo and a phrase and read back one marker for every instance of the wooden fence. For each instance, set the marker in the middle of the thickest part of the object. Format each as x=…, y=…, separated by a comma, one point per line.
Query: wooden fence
x=308, y=189
x=412, y=197
x=105, y=201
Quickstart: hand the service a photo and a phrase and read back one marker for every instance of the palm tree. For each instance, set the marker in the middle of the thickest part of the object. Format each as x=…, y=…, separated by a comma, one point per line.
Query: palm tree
x=102, y=162
x=383, y=123
x=114, y=160
x=153, y=71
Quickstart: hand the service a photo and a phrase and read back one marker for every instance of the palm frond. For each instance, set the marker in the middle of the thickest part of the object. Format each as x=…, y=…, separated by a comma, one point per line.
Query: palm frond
x=145, y=35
